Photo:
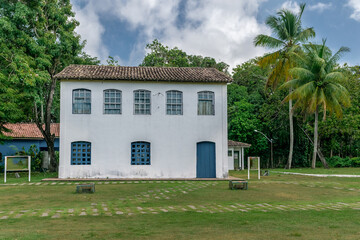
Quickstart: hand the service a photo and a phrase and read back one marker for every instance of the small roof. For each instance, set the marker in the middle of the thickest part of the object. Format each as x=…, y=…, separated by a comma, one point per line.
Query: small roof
x=232, y=143
x=29, y=130
x=164, y=74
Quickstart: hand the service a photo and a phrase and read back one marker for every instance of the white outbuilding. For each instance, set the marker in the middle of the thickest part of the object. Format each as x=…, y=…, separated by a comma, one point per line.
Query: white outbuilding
x=236, y=154
x=143, y=122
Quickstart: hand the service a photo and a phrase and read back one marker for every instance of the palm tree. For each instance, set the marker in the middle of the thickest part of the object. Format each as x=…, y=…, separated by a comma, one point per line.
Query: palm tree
x=289, y=34
x=317, y=86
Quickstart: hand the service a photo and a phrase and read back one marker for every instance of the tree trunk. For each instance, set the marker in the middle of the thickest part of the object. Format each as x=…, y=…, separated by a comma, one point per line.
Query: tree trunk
x=291, y=124
x=313, y=163
x=45, y=128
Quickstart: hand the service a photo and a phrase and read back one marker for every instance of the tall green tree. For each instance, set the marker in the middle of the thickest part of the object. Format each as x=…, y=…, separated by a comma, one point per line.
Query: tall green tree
x=39, y=40
x=288, y=35
x=317, y=86
x=163, y=56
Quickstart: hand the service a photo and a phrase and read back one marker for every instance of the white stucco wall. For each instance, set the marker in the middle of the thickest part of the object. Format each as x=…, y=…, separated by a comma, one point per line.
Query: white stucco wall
x=173, y=138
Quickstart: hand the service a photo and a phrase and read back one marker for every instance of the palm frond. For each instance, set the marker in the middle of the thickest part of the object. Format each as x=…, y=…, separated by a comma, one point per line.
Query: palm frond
x=267, y=41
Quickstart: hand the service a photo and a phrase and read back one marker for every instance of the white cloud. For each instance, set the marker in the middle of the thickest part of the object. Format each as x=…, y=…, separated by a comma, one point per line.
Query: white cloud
x=223, y=30
x=291, y=5
x=91, y=30
x=355, y=5
x=320, y=7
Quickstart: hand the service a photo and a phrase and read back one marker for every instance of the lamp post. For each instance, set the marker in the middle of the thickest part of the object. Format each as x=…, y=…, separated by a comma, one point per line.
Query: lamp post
x=271, y=147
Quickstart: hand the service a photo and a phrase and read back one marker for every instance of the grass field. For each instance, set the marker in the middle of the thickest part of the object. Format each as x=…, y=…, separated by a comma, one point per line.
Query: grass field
x=276, y=207
x=351, y=171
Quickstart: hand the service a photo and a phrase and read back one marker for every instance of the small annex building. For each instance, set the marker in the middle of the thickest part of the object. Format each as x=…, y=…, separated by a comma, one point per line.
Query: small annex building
x=23, y=136
x=143, y=122
x=236, y=154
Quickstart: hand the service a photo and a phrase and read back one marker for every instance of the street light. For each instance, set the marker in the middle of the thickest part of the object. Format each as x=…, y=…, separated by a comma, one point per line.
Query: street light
x=271, y=147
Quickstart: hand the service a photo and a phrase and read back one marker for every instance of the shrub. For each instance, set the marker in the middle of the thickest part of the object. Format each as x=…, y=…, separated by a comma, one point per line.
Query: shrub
x=337, y=161
x=355, y=162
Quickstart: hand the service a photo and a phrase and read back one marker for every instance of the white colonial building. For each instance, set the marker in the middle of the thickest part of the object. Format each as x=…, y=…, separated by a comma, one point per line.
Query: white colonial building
x=143, y=122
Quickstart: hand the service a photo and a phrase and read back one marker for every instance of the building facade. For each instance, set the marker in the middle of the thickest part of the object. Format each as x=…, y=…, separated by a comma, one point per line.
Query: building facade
x=22, y=136
x=143, y=122
x=236, y=155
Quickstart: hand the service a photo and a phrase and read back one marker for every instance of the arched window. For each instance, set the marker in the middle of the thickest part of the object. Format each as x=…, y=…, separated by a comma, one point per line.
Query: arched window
x=112, y=101
x=206, y=103
x=142, y=102
x=174, y=102
x=140, y=153
x=80, y=153
x=81, y=101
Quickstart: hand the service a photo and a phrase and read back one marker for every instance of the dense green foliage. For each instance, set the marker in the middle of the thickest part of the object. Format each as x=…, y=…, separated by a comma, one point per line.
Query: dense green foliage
x=162, y=56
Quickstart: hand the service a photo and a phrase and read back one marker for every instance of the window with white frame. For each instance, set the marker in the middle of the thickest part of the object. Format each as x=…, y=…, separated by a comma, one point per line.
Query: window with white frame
x=81, y=101
x=142, y=102
x=80, y=153
x=140, y=153
x=206, y=103
x=112, y=101
x=174, y=102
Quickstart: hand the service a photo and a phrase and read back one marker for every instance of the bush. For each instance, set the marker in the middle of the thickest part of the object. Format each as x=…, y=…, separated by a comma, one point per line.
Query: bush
x=355, y=162
x=36, y=157
x=339, y=162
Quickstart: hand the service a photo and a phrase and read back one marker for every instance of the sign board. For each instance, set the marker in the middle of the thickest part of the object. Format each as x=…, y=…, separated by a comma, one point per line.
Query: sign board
x=17, y=164
x=254, y=164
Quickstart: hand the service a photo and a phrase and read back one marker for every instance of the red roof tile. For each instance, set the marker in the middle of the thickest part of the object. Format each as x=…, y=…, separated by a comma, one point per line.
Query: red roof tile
x=29, y=130
x=167, y=74
x=232, y=143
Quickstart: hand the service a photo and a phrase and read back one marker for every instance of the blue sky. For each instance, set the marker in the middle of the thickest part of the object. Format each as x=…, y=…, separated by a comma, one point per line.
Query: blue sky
x=222, y=29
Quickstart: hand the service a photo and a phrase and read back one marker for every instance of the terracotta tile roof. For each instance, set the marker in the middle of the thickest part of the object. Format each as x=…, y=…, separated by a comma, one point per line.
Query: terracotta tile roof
x=29, y=130
x=168, y=74
x=232, y=143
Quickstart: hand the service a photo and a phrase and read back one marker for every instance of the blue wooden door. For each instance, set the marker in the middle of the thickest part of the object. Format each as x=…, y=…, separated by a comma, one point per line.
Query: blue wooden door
x=205, y=163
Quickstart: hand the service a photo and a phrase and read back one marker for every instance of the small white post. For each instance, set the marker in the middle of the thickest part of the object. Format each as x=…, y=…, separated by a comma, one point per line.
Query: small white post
x=5, y=169
x=258, y=167
x=29, y=166
x=248, y=167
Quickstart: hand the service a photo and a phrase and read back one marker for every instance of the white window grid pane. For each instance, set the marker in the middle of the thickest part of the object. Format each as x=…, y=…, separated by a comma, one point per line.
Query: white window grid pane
x=81, y=101
x=142, y=102
x=174, y=103
x=112, y=101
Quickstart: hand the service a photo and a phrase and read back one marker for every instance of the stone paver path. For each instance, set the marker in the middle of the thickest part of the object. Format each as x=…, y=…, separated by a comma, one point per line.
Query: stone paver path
x=168, y=191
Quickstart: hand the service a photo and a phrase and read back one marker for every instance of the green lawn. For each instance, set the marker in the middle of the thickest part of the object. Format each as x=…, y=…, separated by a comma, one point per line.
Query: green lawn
x=350, y=171
x=274, y=207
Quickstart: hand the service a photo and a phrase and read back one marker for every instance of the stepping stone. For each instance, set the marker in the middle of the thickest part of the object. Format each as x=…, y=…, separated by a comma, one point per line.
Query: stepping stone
x=114, y=182
x=119, y=212
x=164, y=210
x=45, y=214
x=70, y=210
x=37, y=184
x=95, y=214
x=93, y=204
x=139, y=208
x=56, y=216
x=106, y=209
x=59, y=211
x=53, y=183
x=61, y=183
x=108, y=214
x=191, y=206
x=106, y=182
x=82, y=214
x=99, y=183
x=4, y=217
x=18, y=215
x=69, y=183
x=24, y=211
x=95, y=210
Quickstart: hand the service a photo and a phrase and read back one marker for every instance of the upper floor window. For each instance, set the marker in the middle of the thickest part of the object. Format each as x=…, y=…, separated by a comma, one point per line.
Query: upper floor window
x=81, y=101
x=112, y=101
x=142, y=102
x=206, y=103
x=80, y=153
x=174, y=103
x=140, y=153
